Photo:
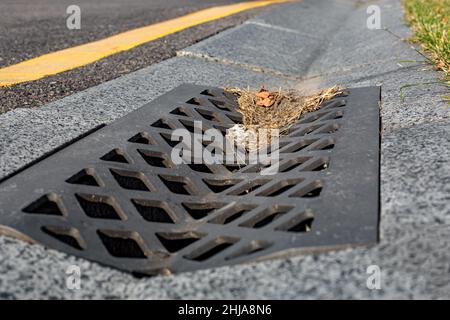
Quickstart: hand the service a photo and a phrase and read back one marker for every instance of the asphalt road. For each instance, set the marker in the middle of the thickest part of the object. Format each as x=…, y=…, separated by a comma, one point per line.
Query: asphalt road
x=32, y=28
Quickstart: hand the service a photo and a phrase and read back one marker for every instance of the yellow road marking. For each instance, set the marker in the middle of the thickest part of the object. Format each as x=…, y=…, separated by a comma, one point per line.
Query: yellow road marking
x=71, y=58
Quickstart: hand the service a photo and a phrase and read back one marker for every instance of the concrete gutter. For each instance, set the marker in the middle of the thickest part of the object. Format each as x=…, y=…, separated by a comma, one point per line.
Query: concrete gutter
x=306, y=44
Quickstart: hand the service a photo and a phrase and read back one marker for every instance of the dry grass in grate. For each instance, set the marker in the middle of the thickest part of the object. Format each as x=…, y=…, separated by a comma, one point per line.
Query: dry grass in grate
x=279, y=110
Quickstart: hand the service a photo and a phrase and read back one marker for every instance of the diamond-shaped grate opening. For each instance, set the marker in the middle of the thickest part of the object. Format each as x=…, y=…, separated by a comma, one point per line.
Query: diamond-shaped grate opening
x=116, y=197
x=69, y=236
x=99, y=207
x=154, y=211
x=174, y=242
x=48, y=204
x=86, y=177
x=122, y=244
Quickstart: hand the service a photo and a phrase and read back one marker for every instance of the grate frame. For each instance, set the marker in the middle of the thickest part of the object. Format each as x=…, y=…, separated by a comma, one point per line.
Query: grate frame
x=124, y=214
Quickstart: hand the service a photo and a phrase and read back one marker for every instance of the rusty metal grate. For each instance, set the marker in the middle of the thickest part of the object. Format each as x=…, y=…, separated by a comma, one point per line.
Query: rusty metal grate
x=116, y=197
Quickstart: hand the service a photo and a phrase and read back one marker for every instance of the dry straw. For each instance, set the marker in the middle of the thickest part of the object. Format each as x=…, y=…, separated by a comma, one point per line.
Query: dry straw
x=279, y=110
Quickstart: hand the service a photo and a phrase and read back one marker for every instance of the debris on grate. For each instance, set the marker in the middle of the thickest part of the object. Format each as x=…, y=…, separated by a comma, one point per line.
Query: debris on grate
x=266, y=110
x=116, y=196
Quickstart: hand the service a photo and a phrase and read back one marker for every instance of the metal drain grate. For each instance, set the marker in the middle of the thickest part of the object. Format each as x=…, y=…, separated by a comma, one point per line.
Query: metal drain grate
x=115, y=196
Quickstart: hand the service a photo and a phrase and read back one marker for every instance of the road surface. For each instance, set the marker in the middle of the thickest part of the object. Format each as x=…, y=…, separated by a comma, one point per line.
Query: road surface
x=32, y=28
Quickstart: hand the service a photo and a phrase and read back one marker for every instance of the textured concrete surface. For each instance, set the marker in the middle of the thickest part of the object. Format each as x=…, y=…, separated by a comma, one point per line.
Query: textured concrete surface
x=413, y=252
x=315, y=19
x=412, y=266
x=261, y=47
x=416, y=175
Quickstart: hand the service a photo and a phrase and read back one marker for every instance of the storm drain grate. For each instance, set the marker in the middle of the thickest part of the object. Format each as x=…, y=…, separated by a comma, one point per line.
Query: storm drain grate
x=116, y=197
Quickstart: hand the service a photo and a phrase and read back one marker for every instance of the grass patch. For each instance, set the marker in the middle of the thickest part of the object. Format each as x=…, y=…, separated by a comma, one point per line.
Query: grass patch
x=430, y=22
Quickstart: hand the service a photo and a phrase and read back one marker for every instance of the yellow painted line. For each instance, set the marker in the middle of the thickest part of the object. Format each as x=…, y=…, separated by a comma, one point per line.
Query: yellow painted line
x=71, y=58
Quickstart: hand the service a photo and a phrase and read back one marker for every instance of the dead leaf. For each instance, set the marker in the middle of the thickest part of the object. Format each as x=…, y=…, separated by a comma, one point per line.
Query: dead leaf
x=439, y=65
x=263, y=94
x=265, y=102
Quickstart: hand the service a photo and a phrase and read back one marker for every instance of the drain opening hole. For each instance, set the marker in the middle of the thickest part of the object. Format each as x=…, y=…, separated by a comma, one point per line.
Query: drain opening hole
x=200, y=210
x=161, y=124
x=208, y=115
x=219, y=104
x=292, y=164
x=141, y=138
x=309, y=119
x=179, y=112
x=279, y=188
x=152, y=211
x=194, y=101
x=301, y=223
x=169, y=141
x=129, y=180
x=338, y=115
x=331, y=128
x=69, y=236
x=235, y=216
x=218, y=186
x=312, y=190
x=154, y=159
x=84, y=177
x=303, y=226
x=257, y=168
x=207, y=93
x=222, y=129
x=313, y=193
x=115, y=155
x=335, y=103
x=265, y=218
x=234, y=167
x=298, y=146
x=212, y=249
x=212, y=252
x=236, y=118
x=301, y=147
x=318, y=164
x=321, y=167
x=310, y=130
x=178, y=187
x=328, y=147
x=188, y=125
x=98, y=207
x=231, y=215
x=326, y=144
x=200, y=167
x=292, y=167
x=251, y=189
x=121, y=245
x=248, y=188
x=174, y=242
x=47, y=204
x=253, y=247
x=304, y=131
